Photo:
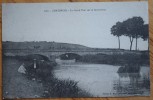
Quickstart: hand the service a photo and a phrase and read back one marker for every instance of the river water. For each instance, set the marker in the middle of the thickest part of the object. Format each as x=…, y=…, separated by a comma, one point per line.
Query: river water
x=103, y=80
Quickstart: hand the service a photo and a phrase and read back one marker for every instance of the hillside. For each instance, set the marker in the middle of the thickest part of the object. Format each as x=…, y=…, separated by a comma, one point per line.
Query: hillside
x=43, y=46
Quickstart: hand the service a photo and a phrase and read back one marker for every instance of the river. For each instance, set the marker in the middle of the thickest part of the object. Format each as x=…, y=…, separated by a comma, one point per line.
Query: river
x=103, y=80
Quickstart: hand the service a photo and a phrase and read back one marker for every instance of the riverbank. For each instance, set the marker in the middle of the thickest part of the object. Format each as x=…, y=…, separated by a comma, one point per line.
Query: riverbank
x=23, y=85
x=117, y=58
x=16, y=85
x=75, y=80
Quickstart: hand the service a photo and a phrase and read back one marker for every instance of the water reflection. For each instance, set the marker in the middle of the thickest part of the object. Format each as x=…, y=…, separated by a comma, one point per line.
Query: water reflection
x=130, y=81
x=103, y=80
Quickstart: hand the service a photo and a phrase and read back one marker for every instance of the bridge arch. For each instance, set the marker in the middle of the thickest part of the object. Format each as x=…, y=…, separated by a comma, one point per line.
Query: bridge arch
x=70, y=56
x=31, y=57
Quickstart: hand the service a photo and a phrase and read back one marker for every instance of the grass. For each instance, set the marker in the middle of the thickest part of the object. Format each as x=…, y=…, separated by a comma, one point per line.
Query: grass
x=63, y=88
x=16, y=85
x=117, y=58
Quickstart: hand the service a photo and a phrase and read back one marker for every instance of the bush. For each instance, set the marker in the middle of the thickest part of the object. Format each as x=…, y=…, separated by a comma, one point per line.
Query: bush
x=117, y=59
x=42, y=71
x=63, y=88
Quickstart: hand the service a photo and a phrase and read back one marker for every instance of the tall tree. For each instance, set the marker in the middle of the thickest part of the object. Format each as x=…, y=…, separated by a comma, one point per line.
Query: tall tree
x=138, y=23
x=117, y=30
x=133, y=29
x=145, y=33
x=128, y=27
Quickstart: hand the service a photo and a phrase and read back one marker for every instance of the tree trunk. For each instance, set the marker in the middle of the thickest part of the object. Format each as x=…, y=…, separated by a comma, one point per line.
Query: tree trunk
x=130, y=46
x=136, y=43
x=119, y=42
x=131, y=41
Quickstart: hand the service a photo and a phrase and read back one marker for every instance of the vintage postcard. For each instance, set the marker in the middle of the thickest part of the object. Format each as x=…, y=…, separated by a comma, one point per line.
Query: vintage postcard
x=54, y=50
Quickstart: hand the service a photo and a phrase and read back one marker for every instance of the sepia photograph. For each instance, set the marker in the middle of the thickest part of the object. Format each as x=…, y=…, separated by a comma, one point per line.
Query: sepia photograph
x=92, y=49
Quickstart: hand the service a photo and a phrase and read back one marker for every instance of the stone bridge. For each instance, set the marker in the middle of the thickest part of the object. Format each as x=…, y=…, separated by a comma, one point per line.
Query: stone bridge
x=57, y=53
x=81, y=53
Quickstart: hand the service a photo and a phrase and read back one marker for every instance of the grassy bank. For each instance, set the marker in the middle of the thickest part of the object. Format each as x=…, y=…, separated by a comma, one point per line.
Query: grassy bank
x=117, y=58
x=53, y=87
x=63, y=88
x=39, y=82
x=16, y=85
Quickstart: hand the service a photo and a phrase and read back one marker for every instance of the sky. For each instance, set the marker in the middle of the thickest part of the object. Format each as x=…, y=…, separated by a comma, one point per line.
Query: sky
x=87, y=24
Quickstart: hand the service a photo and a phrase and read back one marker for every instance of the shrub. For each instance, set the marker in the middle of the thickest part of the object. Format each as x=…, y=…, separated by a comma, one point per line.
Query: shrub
x=63, y=88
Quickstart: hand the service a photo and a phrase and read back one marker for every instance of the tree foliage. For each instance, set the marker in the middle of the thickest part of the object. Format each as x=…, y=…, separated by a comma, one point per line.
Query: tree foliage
x=145, y=32
x=117, y=30
x=133, y=28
